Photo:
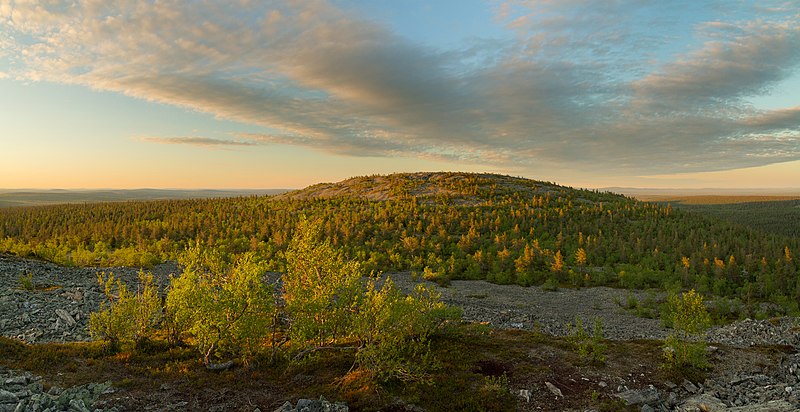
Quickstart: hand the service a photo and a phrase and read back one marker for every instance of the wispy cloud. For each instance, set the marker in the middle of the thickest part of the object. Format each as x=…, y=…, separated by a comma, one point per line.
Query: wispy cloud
x=582, y=84
x=198, y=141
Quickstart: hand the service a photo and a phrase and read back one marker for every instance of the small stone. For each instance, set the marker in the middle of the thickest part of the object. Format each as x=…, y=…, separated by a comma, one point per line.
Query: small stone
x=7, y=397
x=602, y=384
x=554, y=389
x=645, y=396
x=66, y=317
x=16, y=380
x=286, y=407
x=78, y=405
x=788, y=389
x=690, y=387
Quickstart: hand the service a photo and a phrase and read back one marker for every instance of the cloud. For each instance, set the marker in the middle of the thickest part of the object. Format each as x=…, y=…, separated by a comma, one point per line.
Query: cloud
x=725, y=70
x=586, y=85
x=197, y=141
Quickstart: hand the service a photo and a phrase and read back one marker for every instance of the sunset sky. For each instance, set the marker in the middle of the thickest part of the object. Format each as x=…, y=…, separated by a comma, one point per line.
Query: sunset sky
x=263, y=94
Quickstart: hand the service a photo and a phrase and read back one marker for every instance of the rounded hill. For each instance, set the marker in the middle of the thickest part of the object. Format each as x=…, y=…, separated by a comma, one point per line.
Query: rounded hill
x=455, y=188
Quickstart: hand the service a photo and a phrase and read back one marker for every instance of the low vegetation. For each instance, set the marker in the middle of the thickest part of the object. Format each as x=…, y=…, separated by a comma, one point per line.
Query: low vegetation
x=588, y=345
x=227, y=311
x=686, y=346
x=126, y=317
x=480, y=370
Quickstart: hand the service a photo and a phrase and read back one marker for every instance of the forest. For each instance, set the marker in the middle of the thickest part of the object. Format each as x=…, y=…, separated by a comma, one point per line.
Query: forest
x=443, y=226
x=777, y=216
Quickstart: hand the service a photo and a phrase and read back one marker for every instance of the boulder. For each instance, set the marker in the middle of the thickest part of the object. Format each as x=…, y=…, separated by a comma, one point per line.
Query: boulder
x=647, y=396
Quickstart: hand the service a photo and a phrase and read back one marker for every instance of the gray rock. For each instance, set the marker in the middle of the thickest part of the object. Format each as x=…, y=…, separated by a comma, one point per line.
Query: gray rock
x=647, y=396
x=16, y=380
x=554, y=389
x=702, y=403
x=771, y=406
x=66, y=317
x=21, y=391
x=7, y=397
x=286, y=407
x=313, y=405
x=77, y=405
x=690, y=387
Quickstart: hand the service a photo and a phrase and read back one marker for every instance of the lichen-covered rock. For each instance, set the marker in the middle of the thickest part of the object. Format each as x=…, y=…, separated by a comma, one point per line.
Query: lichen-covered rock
x=313, y=405
x=22, y=391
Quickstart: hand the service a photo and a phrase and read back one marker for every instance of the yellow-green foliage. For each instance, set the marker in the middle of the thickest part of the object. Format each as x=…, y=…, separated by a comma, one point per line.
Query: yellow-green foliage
x=321, y=289
x=690, y=319
x=125, y=316
x=225, y=309
x=328, y=304
x=589, y=347
x=394, y=330
x=26, y=282
x=228, y=309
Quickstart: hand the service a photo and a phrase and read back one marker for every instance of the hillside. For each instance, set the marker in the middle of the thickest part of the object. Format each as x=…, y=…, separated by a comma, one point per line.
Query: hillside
x=444, y=226
x=456, y=188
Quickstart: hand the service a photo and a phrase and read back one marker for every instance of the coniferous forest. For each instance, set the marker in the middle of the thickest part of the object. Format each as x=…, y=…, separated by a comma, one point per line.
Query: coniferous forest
x=443, y=226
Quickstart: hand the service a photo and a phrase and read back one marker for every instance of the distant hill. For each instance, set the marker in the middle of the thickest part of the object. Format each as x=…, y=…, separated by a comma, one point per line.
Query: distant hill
x=453, y=187
x=34, y=197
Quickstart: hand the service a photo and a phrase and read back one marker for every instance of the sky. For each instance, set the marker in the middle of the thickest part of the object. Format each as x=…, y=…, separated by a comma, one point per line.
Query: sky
x=284, y=94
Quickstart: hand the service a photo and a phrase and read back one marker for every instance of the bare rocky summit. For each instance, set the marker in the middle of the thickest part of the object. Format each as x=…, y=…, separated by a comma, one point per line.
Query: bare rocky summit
x=456, y=188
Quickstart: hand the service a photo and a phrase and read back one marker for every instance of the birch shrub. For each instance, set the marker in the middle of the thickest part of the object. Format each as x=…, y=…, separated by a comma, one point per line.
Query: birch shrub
x=330, y=306
x=686, y=346
x=224, y=309
x=126, y=317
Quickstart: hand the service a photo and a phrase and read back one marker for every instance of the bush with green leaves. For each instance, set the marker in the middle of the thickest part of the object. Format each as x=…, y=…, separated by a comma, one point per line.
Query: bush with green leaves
x=26, y=282
x=394, y=331
x=590, y=348
x=322, y=290
x=126, y=317
x=330, y=306
x=686, y=347
x=226, y=309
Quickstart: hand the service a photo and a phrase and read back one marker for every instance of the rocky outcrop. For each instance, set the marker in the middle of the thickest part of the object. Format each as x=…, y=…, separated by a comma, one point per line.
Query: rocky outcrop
x=22, y=391
x=748, y=332
x=57, y=308
x=313, y=405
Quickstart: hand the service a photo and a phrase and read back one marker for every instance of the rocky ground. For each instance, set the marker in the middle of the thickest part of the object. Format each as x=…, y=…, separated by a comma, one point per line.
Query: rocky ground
x=58, y=307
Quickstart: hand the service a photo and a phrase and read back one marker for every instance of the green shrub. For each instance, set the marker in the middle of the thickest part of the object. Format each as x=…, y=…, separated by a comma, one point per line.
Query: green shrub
x=590, y=348
x=394, y=331
x=26, y=282
x=126, y=317
x=690, y=319
x=437, y=276
x=551, y=284
x=330, y=307
x=321, y=288
x=227, y=310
